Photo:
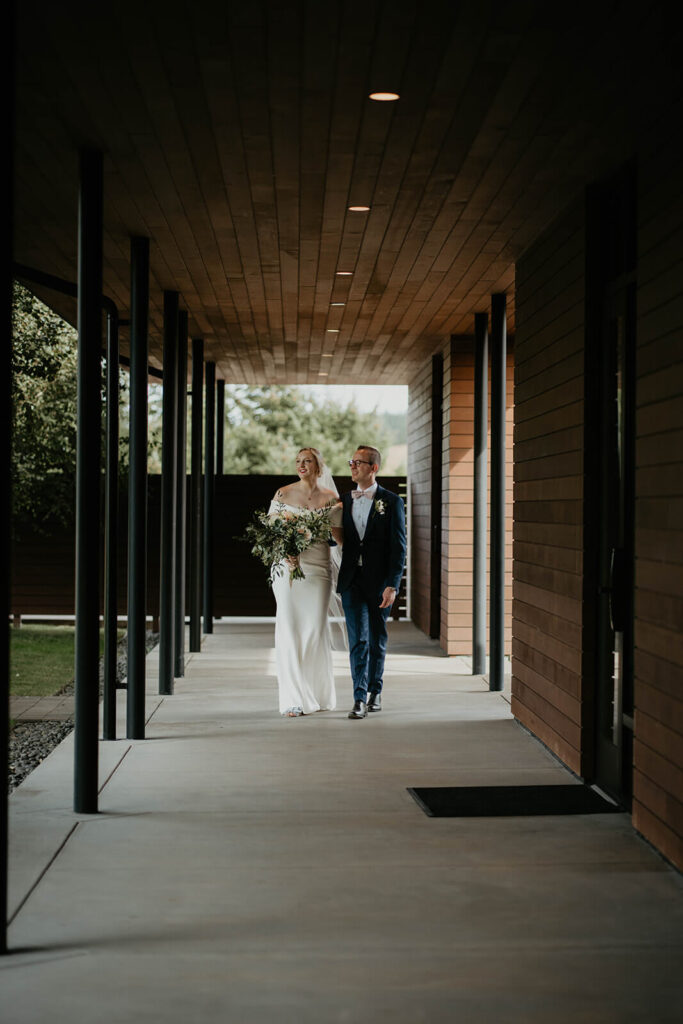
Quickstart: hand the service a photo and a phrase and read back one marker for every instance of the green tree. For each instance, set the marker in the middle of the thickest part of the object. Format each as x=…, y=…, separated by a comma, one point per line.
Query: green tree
x=44, y=375
x=266, y=426
x=154, y=427
x=397, y=427
x=44, y=399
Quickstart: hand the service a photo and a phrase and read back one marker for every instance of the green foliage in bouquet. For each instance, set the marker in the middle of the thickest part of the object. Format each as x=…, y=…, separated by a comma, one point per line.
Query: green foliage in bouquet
x=284, y=534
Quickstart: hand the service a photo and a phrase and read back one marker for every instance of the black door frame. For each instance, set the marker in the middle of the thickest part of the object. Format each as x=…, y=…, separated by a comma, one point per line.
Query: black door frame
x=609, y=491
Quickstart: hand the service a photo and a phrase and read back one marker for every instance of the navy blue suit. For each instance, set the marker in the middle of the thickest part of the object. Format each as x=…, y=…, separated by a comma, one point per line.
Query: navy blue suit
x=382, y=553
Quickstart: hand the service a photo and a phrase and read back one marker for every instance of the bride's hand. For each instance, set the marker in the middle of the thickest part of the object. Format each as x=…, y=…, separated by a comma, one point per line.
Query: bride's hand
x=292, y=561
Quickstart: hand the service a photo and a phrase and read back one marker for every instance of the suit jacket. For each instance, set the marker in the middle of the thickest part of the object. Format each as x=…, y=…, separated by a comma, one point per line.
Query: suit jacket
x=383, y=547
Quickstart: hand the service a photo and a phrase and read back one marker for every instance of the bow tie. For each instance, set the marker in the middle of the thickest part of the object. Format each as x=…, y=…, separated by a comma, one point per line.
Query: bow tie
x=361, y=494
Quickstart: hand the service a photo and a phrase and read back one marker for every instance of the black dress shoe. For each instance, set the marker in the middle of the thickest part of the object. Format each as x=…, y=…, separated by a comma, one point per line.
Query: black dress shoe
x=375, y=702
x=359, y=709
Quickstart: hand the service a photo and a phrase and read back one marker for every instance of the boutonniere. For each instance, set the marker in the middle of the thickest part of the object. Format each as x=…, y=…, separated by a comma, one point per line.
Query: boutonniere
x=380, y=507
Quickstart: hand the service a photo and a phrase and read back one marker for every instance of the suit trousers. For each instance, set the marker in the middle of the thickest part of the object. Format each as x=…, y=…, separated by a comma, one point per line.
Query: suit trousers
x=366, y=623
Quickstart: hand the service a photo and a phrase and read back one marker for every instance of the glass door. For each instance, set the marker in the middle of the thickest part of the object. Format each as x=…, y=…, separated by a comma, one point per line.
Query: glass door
x=614, y=668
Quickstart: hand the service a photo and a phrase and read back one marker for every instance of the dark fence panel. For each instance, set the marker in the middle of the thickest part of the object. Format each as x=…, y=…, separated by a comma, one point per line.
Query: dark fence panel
x=43, y=566
x=240, y=582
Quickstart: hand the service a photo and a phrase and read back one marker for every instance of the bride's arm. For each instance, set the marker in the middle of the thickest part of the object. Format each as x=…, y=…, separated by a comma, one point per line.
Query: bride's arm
x=338, y=534
x=275, y=502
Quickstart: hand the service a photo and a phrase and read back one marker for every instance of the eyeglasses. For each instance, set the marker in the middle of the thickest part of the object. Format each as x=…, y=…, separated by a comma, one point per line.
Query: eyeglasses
x=359, y=462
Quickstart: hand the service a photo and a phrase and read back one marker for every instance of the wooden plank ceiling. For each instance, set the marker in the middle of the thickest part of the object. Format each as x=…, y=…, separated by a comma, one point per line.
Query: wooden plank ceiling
x=236, y=136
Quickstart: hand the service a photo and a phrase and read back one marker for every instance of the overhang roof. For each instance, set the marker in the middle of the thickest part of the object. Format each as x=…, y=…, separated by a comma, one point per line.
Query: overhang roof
x=236, y=136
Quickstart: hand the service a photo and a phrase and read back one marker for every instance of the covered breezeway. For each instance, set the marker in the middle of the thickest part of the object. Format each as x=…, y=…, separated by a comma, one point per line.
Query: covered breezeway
x=217, y=179
x=248, y=868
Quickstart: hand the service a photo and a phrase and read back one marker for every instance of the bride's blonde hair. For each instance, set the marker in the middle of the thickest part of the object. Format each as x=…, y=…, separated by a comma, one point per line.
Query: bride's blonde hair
x=319, y=461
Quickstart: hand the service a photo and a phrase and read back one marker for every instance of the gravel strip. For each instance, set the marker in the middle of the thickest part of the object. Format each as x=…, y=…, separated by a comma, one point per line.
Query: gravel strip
x=31, y=742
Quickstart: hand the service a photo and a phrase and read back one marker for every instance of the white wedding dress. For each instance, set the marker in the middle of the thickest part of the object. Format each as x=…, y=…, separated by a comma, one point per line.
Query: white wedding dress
x=303, y=642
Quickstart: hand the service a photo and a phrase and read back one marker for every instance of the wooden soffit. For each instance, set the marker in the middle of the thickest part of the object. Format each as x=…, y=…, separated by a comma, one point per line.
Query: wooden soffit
x=236, y=136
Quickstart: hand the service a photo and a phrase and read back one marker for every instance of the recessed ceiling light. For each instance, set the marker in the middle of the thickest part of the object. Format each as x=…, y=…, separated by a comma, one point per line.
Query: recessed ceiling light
x=323, y=374
x=344, y=273
x=326, y=355
x=359, y=209
x=384, y=97
x=337, y=303
x=333, y=330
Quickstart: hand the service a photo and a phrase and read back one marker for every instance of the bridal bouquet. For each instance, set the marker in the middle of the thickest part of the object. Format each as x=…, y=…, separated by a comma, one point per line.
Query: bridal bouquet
x=285, y=534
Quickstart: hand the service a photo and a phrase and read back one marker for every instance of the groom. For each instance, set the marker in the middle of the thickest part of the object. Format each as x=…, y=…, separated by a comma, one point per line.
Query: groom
x=370, y=574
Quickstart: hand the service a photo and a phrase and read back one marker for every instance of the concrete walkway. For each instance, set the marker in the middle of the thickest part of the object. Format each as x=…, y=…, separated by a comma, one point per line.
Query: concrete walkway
x=41, y=709
x=248, y=868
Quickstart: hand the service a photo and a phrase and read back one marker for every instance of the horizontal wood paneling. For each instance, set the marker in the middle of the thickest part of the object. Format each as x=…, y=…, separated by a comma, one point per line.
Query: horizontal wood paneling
x=658, y=655
x=420, y=471
x=548, y=489
x=237, y=135
x=458, y=494
x=548, y=542
x=546, y=731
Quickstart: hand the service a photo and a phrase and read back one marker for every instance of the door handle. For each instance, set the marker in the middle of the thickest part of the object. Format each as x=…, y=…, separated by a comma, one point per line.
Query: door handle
x=617, y=590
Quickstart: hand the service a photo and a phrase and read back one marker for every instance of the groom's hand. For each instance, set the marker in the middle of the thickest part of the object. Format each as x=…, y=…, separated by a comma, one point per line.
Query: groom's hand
x=388, y=597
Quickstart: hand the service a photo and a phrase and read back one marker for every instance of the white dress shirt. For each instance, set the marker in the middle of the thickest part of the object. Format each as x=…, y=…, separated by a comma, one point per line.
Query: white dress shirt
x=361, y=509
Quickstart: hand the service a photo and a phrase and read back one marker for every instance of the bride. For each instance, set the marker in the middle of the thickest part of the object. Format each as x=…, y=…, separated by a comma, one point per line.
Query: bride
x=303, y=648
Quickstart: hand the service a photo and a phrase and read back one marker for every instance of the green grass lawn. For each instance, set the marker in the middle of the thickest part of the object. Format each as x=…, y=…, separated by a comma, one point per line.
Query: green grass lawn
x=42, y=659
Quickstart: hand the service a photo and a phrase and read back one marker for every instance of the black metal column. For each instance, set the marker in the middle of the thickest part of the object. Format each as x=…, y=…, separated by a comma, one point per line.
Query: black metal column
x=5, y=511
x=181, y=497
x=137, y=489
x=220, y=425
x=497, y=569
x=481, y=405
x=111, y=527
x=209, y=463
x=87, y=653
x=168, y=495
x=5, y=466
x=196, y=492
x=436, y=498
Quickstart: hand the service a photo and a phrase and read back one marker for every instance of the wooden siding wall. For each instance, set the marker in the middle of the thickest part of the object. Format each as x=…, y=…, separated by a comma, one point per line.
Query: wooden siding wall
x=456, y=551
x=457, y=469
x=419, y=482
x=458, y=492
x=509, y=486
x=658, y=655
x=456, y=582
x=548, y=484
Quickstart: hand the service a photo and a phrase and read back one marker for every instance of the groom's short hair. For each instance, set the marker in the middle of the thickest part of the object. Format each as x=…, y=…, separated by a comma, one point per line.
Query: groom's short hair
x=374, y=453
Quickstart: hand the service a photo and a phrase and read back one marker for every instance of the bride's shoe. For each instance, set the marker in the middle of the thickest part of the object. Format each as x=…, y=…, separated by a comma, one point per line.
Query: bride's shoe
x=293, y=713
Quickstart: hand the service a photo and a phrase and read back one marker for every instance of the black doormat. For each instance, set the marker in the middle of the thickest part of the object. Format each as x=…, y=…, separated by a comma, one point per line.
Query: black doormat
x=510, y=801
